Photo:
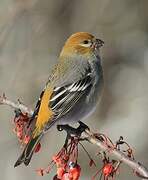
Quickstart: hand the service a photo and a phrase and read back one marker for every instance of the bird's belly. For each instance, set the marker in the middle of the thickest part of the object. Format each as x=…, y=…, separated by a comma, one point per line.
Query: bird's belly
x=84, y=108
x=78, y=113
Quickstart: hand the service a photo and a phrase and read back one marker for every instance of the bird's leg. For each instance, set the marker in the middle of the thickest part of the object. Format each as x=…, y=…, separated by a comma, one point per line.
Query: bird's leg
x=72, y=132
x=67, y=128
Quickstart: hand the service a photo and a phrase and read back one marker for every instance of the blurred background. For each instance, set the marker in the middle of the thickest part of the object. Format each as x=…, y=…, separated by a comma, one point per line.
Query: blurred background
x=32, y=33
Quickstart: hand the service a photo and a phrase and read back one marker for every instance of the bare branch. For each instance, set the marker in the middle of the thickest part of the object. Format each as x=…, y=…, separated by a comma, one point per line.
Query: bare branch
x=88, y=135
x=18, y=105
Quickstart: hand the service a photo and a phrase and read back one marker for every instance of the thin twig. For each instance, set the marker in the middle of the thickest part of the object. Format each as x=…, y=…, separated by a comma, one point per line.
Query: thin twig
x=137, y=167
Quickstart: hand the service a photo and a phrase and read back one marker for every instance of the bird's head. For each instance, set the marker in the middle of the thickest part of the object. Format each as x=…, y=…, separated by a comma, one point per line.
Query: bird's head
x=81, y=43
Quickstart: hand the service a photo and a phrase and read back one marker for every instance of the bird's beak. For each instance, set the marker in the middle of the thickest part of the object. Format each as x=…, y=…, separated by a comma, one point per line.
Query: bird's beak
x=97, y=43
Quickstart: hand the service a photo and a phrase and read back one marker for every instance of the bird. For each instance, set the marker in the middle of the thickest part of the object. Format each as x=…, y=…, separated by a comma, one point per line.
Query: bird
x=72, y=91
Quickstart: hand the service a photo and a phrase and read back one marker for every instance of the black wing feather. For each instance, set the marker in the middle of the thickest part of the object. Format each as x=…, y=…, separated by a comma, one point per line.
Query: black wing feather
x=64, y=98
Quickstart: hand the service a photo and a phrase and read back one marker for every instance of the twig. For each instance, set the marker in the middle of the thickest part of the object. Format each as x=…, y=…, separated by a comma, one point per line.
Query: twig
x=18, y=105
x=137, y=167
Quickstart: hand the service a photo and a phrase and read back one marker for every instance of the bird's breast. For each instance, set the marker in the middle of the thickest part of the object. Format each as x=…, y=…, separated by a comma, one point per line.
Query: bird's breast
x=97, y=76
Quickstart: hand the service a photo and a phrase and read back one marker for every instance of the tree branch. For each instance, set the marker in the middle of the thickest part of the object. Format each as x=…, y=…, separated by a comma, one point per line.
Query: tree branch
x=18, y=105
x=138, y=168
x=88, y=135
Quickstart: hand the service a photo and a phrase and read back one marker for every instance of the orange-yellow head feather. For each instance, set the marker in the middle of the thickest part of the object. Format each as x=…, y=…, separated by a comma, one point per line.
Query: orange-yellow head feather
x=81, y=43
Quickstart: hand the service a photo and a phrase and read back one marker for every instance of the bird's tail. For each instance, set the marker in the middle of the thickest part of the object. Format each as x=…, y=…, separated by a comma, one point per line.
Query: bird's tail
x=28, y=151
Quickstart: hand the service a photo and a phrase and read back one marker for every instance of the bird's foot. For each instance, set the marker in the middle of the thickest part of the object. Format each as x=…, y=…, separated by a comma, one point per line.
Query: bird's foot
x=72, y=132
x=82, y=127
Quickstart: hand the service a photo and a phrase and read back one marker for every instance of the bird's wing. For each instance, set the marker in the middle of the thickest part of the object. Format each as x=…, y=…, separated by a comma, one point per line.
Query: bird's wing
x=64, y=89
x=64, y=98
x=36, y=110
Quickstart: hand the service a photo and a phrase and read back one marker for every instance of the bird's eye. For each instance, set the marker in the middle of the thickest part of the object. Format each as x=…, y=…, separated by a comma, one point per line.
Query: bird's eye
x=86, y=42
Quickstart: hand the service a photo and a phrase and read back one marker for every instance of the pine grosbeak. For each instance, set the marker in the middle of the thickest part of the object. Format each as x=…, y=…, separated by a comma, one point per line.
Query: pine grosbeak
x=72, y=90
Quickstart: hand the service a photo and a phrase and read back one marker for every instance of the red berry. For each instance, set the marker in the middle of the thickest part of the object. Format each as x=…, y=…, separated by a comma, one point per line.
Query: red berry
x=108, y=169
x=37, y=148
x=19, y=134
x=74, y=173
x=60, y=172
x=26, y=139
x=65, y=176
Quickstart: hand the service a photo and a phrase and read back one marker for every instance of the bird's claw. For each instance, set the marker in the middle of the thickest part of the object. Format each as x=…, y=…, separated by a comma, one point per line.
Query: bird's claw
x=72, y=132
x=82, y=127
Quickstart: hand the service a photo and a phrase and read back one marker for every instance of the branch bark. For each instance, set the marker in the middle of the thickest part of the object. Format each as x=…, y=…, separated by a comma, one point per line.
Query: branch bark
x=18, y=105
x=137, y=167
